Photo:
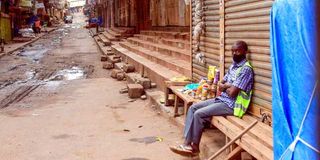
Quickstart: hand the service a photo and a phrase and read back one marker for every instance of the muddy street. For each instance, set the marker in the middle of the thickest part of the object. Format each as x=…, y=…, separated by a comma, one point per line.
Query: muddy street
x=57, y=103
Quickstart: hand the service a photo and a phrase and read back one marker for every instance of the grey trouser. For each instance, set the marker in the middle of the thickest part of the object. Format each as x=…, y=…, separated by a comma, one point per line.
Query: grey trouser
x=202, y=112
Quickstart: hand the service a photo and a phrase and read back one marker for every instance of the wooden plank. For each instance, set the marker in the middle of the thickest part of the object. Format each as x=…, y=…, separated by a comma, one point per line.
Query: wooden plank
x=257, y=132
x=247, y=142
x=184, y=97
x=175, y=106
x=235, y=154
x=190, y=40
x=240, y=134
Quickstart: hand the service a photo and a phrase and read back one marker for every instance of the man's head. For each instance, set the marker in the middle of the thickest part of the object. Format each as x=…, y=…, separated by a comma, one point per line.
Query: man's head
x=239, y=51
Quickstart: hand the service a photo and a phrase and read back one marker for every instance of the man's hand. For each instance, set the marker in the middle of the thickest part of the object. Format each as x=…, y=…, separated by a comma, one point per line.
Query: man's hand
x=223, y=86
x=233, y=91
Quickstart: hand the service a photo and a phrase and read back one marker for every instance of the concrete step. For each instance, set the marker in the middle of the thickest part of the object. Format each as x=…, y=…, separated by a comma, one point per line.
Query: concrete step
x=177, y=53
x=114, y=33
x=167, y=34
x=177, y=43
x=104, y=40
x=123, y=31
x=147, y=68
x=119, y=30
x=169, y=62
x=110, y=37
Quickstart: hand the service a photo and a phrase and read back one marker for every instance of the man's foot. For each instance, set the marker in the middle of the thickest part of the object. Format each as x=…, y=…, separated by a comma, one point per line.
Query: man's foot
x=184, y=150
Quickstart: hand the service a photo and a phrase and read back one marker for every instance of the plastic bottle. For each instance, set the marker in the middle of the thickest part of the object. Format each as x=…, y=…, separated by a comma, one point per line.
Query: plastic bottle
x=204, y=94
x=215, y=82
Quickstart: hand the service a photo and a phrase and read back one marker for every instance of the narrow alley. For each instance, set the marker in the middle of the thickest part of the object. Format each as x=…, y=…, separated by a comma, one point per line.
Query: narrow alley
x=58, y=103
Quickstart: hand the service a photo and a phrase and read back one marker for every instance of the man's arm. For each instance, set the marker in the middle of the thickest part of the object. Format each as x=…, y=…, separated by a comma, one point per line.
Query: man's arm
x=244, y=79
x=233, y=91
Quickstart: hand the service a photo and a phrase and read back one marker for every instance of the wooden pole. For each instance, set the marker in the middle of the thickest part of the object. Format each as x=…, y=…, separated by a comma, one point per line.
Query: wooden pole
x=222, y=16
x=233, y=140
x=190, y=40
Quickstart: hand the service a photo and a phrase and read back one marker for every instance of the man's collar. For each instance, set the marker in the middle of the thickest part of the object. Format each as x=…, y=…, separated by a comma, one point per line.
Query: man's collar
x=241, y=63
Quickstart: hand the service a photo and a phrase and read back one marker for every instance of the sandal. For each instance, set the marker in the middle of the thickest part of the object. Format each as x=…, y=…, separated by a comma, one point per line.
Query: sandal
x=183, y=150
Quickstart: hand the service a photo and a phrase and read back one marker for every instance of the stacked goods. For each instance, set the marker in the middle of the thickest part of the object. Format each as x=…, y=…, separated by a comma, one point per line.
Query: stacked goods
x=206, y=88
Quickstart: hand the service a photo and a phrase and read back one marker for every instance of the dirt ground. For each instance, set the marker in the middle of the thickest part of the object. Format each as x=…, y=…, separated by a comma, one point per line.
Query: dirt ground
x=57, y=103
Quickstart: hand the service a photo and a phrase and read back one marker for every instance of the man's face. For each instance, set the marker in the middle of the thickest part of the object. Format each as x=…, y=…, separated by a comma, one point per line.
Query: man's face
x=238, y=53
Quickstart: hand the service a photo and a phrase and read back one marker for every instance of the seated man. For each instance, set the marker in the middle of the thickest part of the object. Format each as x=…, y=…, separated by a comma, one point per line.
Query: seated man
x=239, y=79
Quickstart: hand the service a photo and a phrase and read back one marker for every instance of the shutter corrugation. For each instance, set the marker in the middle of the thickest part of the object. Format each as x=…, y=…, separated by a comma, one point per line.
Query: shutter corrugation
x=249, y=20
x=209, y=41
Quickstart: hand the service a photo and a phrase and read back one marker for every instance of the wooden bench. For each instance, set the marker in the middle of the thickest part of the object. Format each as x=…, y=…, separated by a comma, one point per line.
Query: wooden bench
x=172, y=88
x=180, y=97
x=257, y=141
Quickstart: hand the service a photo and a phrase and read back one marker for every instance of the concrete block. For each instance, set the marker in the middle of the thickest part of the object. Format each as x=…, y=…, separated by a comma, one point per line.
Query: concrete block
x=135, y=90
x=145, y=82
x=136, y=78
x=108, y=65
x=120, y=76
x=128, y=68
x=115, y=60
x=104, y=58
x=109, y=53
x=114, y=73
x=116, y=56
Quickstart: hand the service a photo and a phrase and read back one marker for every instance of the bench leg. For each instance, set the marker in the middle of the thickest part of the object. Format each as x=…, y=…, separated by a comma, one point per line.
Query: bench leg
x=176, y=105
x=235, y=154
x=166, y=97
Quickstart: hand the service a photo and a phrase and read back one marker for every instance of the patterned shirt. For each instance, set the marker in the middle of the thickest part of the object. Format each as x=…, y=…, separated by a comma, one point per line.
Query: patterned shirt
x=244, y=81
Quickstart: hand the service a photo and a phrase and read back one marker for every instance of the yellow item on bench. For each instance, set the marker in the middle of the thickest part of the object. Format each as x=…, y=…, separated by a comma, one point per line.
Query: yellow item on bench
x=180, y=79
x=211, y=72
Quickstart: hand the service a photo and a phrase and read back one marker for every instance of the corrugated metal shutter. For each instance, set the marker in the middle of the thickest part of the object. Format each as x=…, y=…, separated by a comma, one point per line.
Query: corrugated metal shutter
x=248, y=20
x=209, y=44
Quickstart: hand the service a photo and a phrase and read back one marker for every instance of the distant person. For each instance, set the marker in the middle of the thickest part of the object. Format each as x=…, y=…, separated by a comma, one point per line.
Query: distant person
x=236, y=90
x=37, y=26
